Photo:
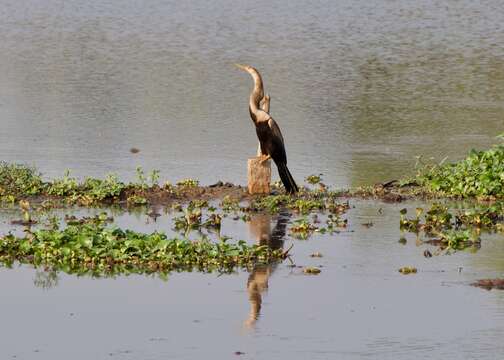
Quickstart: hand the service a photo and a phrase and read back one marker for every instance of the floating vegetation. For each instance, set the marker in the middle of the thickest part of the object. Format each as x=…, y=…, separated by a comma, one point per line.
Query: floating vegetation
x=304, y=203
x=311, y=270
x=90, y=247
x=101, y=218
x=439, y=217
x=188, y=182
x=334, y=222
x=408, y=270
x=197, y=204
x=452, y=232
x=17, y=179
x=305, y=206
x=302, y=229
x=481, y=174
x=457, y=240
x=270, y=203
x=27, y=220
x=135, y=200
x=314, y=179
x=230, y=204
x=192, y=220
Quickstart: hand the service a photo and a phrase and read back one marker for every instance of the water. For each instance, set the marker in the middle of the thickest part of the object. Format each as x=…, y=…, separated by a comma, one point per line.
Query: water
x=359, y=89
x=358, y=307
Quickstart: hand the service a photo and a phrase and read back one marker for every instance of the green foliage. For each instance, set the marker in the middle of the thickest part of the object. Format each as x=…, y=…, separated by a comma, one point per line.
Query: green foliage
x=302, y=229
x=19, y=180
x=142, y=179
x=270, y=203
x=154, y=177
x=305, y=206
x=192, y=220
x=458, y=239
x=439, y=218
x=66, y=186
x=480, y=174
x=92, y=248
x=188, y=183
x=314, y=179
x=483, y=216
x=135, y=200
x=230, y=204
x=99, y=189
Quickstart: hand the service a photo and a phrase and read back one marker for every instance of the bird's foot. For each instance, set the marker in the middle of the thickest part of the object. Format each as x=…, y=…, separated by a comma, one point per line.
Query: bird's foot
x=264, y=158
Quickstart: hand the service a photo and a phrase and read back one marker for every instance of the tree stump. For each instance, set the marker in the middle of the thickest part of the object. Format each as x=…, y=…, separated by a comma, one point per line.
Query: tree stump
x=259, y=176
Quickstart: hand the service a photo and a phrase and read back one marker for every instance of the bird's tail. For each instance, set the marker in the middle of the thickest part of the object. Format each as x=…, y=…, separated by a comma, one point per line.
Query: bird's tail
x=287, y=179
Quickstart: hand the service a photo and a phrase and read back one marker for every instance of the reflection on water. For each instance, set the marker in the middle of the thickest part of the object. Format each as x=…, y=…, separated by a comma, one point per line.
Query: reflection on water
x=45, y=278
x=257, y=283
x=431, y=314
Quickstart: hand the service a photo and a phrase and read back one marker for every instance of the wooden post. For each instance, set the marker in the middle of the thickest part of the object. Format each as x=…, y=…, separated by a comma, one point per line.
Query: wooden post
x=259, y=176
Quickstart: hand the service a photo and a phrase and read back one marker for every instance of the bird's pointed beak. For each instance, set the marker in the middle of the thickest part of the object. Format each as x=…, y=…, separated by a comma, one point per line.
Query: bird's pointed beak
x=241, y=67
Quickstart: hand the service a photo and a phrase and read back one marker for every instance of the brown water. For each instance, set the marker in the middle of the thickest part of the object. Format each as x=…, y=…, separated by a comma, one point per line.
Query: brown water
x=359, y=89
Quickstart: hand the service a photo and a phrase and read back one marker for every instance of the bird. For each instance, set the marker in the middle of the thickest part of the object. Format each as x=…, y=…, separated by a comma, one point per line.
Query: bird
x=268, y=132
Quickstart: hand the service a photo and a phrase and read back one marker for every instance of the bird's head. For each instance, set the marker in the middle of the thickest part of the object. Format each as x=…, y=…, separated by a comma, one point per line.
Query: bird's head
x=253, y=72
x=246, y=68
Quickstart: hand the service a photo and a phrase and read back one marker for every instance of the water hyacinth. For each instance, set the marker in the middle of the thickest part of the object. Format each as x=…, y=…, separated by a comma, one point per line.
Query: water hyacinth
x=100, y=250
x=480, y=174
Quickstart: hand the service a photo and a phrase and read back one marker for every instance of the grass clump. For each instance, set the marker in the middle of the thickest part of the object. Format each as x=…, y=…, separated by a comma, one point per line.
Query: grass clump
x=95, y=249
x=481, y=174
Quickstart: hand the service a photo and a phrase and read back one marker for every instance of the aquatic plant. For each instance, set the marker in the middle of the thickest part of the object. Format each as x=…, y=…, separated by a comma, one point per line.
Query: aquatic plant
x=314, y=179
x=154, y=177
x=408, y=270
x=304, y=206
x=230, y=204
x=334, y=223
x=481, y=173
x=188, y=183
x=439, y=217
x=311, y=270
x=197, y=204
x=192, y=220
x=270, y=203
x=19, y=180
x=108, y=188
x=95, y=249
x=302, y=229
x=457, y=239
x=141, y=179
x=135, y=200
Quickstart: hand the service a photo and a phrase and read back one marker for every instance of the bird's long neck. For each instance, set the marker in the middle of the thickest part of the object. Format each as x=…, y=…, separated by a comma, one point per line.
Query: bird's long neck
x=258, y=92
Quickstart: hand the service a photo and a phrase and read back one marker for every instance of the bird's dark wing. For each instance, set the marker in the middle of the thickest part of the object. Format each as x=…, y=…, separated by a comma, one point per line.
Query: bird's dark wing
x=275, y=130
x=278, y=151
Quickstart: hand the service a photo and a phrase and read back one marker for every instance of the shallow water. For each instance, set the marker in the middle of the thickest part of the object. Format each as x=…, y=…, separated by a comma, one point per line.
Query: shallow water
x=359, y=306
x=359, y=88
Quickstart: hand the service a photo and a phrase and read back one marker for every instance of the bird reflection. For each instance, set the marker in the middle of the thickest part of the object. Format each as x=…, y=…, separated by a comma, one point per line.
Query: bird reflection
x=260, y=229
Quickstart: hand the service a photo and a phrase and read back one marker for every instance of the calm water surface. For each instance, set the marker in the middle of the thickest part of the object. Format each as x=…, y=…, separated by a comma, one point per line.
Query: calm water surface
x=358, y=307
x=359, y=89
